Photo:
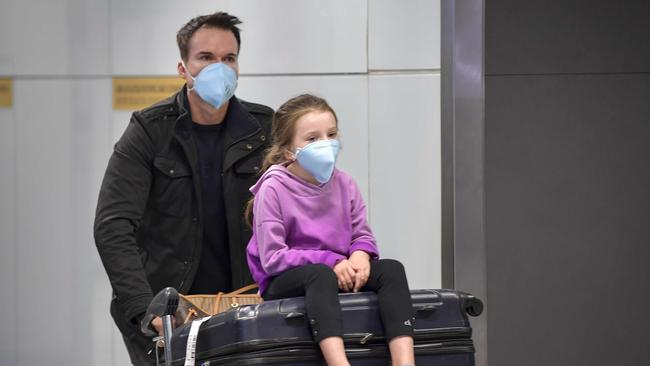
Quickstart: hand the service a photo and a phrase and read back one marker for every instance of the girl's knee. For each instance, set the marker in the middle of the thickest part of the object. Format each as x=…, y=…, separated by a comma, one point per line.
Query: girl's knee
x=321, y=272
x=392, y=266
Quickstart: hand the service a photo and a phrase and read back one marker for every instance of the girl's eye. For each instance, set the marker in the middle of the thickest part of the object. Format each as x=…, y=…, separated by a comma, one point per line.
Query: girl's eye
x=332, y=135
x=311, y=139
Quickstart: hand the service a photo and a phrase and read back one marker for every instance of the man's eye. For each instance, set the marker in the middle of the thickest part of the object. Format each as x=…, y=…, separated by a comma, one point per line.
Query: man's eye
x=230, y=59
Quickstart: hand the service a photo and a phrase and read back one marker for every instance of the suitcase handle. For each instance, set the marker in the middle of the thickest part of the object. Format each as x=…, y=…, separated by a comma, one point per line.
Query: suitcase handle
x=294, y=315
x=427, y=308
x=472, y=305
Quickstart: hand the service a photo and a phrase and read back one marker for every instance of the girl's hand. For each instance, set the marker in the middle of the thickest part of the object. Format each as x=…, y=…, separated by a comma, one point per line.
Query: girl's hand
x=360, y=261
x=345, y=275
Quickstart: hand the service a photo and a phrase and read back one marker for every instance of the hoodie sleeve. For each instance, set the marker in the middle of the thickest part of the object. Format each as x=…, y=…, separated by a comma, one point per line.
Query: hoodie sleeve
x=362, y=236
x=275, y=255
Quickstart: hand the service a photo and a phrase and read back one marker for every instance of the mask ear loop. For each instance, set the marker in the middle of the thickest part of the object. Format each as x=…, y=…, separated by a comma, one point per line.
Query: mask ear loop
x=293, y=157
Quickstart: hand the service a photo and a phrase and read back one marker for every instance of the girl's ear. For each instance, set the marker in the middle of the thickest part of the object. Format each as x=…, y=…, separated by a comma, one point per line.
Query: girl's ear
x=288, y=155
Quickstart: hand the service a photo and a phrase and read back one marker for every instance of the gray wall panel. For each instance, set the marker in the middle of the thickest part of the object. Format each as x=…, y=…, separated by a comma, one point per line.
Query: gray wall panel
x=568, y=219
x=8, y=303
x=569, y=36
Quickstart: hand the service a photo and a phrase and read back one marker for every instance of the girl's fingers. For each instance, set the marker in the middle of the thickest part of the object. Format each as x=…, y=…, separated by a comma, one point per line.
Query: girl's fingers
x=357, y=284
x=342, y=281
x=351, y=272
x=349, y=280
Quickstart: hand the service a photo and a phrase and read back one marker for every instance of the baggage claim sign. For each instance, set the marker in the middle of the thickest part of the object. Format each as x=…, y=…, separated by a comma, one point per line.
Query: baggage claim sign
x=132, y=93
x=6, y=94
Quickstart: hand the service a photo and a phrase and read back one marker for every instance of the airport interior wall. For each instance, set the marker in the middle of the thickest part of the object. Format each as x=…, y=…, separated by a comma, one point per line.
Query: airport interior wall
x=376, y=61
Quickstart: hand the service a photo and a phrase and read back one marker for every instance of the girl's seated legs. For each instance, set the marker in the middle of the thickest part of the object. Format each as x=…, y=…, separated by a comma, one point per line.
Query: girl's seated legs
x=318, y=284
x=388, y=279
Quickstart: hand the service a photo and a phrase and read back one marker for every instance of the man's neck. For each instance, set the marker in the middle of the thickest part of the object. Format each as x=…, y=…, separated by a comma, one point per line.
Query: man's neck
x=204, y=113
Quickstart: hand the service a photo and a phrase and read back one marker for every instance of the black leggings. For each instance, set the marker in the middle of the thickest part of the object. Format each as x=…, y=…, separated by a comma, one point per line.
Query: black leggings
x=318, y=283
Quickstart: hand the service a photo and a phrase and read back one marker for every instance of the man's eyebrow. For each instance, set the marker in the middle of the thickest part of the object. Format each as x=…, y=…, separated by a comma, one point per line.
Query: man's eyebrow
x=200, y=53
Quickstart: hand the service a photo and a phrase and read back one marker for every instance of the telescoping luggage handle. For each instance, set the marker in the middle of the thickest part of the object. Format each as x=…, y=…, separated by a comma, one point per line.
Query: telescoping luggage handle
x=163, y=305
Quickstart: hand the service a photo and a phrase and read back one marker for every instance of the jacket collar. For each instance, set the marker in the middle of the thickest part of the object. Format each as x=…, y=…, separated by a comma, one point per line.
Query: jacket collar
x=238, y=122
x=184, y=121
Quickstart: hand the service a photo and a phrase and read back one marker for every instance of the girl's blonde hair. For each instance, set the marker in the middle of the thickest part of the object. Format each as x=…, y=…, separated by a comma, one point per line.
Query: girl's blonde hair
x=283, y=130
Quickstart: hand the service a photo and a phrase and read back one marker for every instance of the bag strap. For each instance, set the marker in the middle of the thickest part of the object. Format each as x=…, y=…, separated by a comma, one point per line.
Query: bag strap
x=215, y=304
x=217, y=300
x=191, y=313
x=244, y=289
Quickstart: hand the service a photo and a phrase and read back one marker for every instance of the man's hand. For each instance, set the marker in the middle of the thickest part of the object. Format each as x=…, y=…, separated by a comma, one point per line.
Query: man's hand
x=157, y=323
x=360, y=261
x=345, y=275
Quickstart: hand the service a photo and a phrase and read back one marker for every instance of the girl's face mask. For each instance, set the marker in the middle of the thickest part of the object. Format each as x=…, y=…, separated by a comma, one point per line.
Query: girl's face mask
x=318, y=158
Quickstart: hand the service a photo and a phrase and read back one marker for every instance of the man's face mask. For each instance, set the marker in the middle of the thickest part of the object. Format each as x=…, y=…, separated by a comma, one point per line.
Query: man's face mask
x=319, y=158
x=215, y=84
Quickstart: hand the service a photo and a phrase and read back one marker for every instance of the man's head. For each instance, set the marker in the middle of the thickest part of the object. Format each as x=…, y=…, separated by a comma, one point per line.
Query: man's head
x=219, y=20
x=206, y=40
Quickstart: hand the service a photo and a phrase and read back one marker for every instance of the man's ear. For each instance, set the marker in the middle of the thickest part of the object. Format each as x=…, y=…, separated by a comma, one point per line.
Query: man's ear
x=180, y=68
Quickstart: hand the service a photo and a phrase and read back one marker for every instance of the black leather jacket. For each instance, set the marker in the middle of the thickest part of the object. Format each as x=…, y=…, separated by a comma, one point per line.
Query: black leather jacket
x=148, y=228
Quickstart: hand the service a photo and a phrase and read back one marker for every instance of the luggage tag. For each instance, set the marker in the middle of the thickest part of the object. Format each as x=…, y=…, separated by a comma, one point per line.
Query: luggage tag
x=190, y=350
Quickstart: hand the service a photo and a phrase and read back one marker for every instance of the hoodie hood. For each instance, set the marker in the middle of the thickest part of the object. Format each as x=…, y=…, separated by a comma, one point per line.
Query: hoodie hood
x=292, y=182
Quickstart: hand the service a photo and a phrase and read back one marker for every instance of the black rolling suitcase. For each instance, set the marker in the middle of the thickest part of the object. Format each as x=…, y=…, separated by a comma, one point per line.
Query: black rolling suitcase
x=277, y=332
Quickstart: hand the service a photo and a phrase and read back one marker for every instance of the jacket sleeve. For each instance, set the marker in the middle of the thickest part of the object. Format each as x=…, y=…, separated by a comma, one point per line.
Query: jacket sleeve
x=362, y=236
x=275, y=255
x=122, y=200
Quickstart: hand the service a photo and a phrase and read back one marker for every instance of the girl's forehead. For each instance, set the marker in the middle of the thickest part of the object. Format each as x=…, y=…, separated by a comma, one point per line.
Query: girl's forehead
x=315, y=120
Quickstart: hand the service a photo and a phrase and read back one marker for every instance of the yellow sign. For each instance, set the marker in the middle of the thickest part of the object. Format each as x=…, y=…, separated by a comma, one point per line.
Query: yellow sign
x=6, y=93
x=131, y=93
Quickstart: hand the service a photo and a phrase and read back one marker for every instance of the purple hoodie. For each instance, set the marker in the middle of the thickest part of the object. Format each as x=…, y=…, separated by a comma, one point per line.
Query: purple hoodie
x=296, y=223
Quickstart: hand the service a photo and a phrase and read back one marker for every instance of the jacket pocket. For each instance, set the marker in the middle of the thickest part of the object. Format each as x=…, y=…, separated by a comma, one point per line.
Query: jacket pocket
x=249, y=165
x=171, y=189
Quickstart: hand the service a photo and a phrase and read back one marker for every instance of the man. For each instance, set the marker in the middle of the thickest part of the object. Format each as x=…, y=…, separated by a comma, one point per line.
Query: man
x=170, y=209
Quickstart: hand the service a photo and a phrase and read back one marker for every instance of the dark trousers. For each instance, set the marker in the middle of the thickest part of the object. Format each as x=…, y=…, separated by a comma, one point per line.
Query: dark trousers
x=318, y=284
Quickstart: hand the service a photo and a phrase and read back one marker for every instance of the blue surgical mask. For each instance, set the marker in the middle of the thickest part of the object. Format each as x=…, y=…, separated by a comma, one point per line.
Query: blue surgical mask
x=215, y=84
x=318, y=159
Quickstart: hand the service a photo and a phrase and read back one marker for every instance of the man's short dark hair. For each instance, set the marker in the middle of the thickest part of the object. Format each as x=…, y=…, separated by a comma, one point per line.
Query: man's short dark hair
x=220, y=20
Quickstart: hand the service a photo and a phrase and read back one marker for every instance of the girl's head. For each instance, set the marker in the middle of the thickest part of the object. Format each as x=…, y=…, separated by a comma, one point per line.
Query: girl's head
x=298, y=122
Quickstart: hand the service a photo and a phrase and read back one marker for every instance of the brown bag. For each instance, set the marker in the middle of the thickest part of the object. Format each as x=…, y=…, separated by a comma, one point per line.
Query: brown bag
x=191, y=307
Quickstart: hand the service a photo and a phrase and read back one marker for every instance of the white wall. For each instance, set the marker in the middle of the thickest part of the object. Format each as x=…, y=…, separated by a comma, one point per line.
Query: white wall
x=376, y=61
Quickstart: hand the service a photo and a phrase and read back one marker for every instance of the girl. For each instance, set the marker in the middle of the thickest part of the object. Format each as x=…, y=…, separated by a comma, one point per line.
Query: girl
x=310, y=234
